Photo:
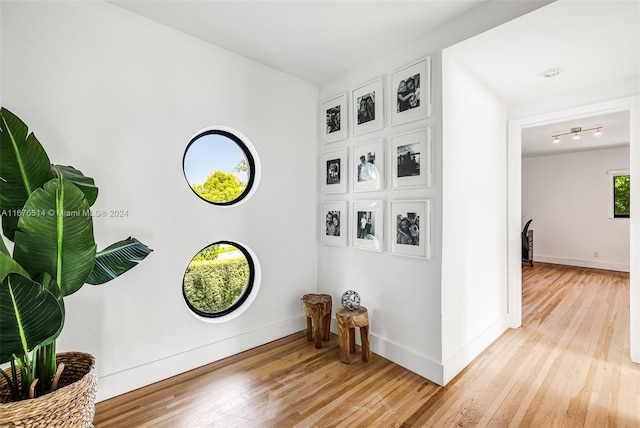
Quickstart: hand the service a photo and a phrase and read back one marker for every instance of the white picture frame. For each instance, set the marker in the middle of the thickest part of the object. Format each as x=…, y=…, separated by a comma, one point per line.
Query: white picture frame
x=410, y=228
x=334, y=168
x=367, y=225
x=334, y=223
x=367, y=166
x=410, y=92
x=367, y=107
x=411, y=159
x=334, y=116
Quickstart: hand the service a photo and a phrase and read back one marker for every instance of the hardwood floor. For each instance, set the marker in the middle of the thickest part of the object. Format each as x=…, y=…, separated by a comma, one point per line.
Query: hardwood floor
x=568, y=366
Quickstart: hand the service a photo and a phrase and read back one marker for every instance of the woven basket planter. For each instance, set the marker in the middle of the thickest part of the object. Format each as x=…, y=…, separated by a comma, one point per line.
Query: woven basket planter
x=71, y=405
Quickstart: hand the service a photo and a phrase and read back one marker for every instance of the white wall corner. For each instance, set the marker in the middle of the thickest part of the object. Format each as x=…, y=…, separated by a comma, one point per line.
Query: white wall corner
x=634, y=111
x=514, y=223
x=409, y=359
x=464, y=356
x=402, y=356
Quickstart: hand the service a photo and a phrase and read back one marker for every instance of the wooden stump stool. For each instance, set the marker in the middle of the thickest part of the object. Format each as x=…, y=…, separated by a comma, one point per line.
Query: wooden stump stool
x=347, y=322
x=317, y=307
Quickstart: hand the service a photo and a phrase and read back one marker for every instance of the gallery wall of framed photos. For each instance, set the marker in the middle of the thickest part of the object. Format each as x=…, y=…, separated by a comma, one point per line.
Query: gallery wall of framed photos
x=375, y=170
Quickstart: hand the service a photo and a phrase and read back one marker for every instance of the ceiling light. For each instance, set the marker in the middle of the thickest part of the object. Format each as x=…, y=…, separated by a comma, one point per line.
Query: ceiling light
x=551, y=72
x=576, y=133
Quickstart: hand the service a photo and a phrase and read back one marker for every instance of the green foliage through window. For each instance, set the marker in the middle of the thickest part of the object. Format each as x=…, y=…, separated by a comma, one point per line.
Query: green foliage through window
x=219, y=167
x=220, y=186
x=208, y=254
x=213, y=284
x=621, y=195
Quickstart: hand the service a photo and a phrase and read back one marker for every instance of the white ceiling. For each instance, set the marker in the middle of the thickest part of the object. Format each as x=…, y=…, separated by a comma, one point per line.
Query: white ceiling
x=316, y=41
x=593, y=42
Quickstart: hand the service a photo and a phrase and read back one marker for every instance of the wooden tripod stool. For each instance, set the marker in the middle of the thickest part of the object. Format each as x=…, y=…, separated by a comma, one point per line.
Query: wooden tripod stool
x=347, y=322
x=317, y=307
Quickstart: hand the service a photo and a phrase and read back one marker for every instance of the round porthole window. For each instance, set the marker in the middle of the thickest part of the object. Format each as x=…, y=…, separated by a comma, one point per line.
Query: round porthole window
x=220, y=280
x=220, y=166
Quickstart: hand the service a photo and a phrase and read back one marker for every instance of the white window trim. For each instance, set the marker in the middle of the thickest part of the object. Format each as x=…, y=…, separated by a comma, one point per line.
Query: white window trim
x=613, y=173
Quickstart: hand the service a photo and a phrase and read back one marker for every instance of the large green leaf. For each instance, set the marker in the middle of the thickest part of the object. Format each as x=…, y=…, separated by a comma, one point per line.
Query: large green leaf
x=3, y=247
x=58, y=237
x=24, y=167
x=86, y=184
x=8, y=265
x=116, y=259
x=29, y=316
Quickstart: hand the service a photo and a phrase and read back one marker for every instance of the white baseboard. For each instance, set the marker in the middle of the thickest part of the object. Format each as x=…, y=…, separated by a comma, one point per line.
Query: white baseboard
x=113, y=384
x=433, y=371
x=594, y=264
x=408, y=359
x=402, y=356
x=463, y=357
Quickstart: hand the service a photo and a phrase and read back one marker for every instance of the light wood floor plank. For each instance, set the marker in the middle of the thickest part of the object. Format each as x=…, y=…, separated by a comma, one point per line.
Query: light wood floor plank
x=568, y=366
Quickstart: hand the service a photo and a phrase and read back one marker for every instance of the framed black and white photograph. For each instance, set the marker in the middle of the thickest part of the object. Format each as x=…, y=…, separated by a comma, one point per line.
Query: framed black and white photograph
x=367, y=166
x=367, y=102
x=410, y=228
x=334, y=116
x=410, y=155
x=334, y=171
x=333, y=223
x=411, y=92
x=367, y=225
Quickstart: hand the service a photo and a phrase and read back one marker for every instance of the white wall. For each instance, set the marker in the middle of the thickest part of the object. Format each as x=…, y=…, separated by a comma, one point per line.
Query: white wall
x=119, y=97
x=406, y=297
x=474, y=257
x=568, y=197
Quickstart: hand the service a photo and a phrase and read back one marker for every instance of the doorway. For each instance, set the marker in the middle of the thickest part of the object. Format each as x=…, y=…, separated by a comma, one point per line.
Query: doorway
x=514, y=222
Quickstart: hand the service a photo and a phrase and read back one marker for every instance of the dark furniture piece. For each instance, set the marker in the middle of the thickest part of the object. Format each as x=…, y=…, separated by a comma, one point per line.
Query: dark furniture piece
x=527, y=244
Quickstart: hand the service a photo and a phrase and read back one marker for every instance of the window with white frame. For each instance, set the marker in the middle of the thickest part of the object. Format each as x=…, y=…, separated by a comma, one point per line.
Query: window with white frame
x=619, y=193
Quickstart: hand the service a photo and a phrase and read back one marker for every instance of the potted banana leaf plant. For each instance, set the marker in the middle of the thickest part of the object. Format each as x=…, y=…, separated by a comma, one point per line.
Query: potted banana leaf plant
x=46, y=214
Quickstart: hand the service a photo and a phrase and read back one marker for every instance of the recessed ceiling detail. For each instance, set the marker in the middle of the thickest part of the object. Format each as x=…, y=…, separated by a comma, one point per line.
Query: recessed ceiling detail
x=551, y=72
x=508, y=58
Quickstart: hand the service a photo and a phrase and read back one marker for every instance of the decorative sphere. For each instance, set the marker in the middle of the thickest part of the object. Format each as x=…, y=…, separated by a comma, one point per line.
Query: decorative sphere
x=350, y=300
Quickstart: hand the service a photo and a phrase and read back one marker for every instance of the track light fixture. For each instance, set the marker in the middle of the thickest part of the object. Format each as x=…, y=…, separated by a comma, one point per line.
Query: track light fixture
x=576, y=133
